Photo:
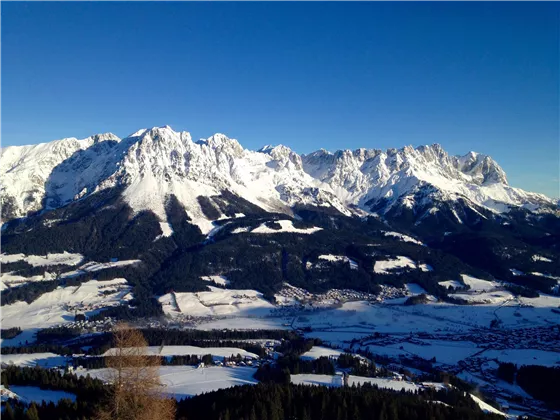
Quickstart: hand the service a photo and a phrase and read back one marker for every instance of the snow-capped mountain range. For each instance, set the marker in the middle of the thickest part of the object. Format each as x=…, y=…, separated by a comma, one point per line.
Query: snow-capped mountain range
x=152, y=164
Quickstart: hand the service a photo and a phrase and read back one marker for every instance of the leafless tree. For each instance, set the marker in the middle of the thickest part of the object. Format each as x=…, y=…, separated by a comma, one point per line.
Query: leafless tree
x=136, y=389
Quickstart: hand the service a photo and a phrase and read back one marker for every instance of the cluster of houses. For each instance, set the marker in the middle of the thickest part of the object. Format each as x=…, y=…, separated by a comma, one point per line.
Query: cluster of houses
x=292, y=296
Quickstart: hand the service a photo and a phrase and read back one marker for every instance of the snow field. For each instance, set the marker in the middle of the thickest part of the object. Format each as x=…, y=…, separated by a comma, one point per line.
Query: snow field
x=541, y=258
x=218, y=302
x=319, y=351
x=425, y=267
x=452, y=283
x=415, y=289
x=187, y=381
x=28, y=394
x=487, y=408
x=94, y=266
x=524, y=356
x=478, y=285
x=496, y=297
x=241, y=230
x=221, y=280
x=287, y=226
x=336, y=381
x=64, y=258
x=340, y=258
x=403, y=237
x=218, y=353
x=448, y=352
x=8, y=280
x=399, y=262
x=58, y=307
x=13, y=280
x=46, y=360
x=166, y=230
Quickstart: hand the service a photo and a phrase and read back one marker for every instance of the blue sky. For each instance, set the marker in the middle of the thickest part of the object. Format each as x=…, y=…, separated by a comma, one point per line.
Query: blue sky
x=470, y=76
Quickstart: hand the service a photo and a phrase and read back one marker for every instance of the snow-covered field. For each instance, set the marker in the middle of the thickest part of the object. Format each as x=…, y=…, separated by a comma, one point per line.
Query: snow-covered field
x=403, y=237
x=333, y=258
x=336, y=381
x=400, y=262
x=166, y=230
x=221, y=280
x=496, y=297
x=13, y=280
x=287, y=226
x=9, y=279
x=414, y=289
x=218, y=353
x=452, y=283
x=241, y=230
x=541, y=258
x=433, y=317
x=319, y=351
x=46, y=360
x=425, y=267
x=64, y=258
x=93, y=266
x=246, y=309
x=448, y=352
x=60, y=305
x=186, y=381
x=244, y=323
x=525, y=356
x=337, y=259
x=217, y=301
x=487, y=408
x=33, y=393
x=359, y=318
x=478, y=285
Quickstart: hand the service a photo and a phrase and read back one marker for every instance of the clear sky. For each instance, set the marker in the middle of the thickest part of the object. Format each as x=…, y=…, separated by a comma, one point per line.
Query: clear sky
x=470, y=76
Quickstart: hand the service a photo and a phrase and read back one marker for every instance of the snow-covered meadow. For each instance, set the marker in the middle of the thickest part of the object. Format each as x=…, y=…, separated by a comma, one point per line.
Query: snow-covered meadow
x=218, y=353
x=187, y=381
x=29, y=394
x=217, y=302
x=60, y=305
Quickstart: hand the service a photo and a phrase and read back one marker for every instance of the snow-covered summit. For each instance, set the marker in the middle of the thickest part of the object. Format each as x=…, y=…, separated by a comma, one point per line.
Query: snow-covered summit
x=25, y=170
x=154, y=163
x=364, y=177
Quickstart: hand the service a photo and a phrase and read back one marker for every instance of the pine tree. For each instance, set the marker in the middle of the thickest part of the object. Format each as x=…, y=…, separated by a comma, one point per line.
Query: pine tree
x=8, y=413
x=263, y=414
x=32, y=413
x=383, y=412
x=253, y=415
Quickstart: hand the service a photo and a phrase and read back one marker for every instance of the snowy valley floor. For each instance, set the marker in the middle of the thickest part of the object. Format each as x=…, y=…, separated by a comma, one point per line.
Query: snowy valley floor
x=455, y=338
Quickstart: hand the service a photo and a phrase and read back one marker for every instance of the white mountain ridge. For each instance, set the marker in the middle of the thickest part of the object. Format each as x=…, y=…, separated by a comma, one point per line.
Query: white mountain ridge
x=153, y=163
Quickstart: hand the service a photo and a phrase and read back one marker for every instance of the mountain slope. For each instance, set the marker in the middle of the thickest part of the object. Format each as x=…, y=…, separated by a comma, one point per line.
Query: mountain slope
x=25, y=170
x=264, y=218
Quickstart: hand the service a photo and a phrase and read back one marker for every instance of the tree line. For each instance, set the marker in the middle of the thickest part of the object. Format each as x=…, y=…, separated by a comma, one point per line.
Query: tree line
x=541, y=382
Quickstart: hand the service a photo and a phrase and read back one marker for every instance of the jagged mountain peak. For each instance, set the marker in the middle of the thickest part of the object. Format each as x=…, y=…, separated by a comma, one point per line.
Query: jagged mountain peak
x=98, y=138
x=283, y=157
x=482, y=168
x=222, y=143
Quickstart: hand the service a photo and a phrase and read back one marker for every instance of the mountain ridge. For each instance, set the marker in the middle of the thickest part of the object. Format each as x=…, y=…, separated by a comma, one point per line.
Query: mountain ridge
x=153, y=163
